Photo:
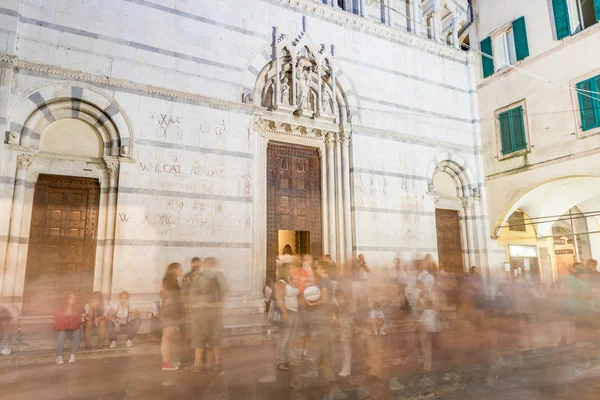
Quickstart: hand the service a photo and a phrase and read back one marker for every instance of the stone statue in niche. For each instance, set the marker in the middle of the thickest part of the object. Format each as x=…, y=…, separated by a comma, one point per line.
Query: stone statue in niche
x=248, y=98
x=326, y=103
x=303, y=77
x=13, y=138
x=285, y=92
x=124, y=151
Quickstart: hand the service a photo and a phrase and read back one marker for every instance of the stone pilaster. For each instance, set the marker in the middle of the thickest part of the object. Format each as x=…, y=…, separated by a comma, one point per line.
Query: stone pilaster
x=16, y=218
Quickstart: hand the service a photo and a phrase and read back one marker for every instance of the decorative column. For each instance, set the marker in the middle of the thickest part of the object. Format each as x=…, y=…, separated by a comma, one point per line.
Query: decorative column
x=333, y=85
x=467, y=203
x=346, y=197
x=259, y=211
x=416, y=16
x=436, y=24
x=293, y=82
x=16, y=219
x=277, y=71
x=112, y=169
x=330, y=144
x=320, y=90
x=340, y=201
x=324, y=202
x=455, y=41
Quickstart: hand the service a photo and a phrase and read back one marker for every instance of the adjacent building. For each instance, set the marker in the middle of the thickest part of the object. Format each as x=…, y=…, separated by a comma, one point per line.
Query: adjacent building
x=538, y=88
x=144, y=132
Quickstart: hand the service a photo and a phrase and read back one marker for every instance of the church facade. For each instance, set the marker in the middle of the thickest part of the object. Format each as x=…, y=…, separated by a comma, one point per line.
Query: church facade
x=140, y=133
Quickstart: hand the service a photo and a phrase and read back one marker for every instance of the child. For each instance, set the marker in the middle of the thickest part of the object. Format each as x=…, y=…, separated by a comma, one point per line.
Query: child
x=268, y=294
x=429, y=325
x=377, y=320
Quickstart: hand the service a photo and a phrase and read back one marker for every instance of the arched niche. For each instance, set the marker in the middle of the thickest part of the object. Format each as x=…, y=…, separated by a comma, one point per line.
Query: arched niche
x=73, y=137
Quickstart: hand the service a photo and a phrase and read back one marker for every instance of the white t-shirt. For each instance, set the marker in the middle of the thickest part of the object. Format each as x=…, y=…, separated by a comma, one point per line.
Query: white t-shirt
x=123, y=314
x=430, y=320
x=156, y=306
x=374, y=314
x=427, y=279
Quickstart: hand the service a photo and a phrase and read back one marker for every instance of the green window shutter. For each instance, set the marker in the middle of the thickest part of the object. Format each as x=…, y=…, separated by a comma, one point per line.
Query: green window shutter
x=486, y=62
x=589, y=118
x=517, y=124
x=561, y=19
x=505, y=133
x=597, y=9
x=520, y=34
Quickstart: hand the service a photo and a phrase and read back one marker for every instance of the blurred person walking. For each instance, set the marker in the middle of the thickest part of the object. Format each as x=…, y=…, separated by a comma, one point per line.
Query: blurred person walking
x=580, y=309
x=307, y=278
x=342, y=296
x=95, y=319
x=402, y=279
x=205, y=293
x=361, y=275
x=171, y=314
x=67, y=324
x=324, y=314
x=286, y=297
x=122, y=317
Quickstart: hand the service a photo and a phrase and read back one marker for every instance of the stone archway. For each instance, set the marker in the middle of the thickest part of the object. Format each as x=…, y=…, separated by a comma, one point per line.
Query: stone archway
x=33, y=116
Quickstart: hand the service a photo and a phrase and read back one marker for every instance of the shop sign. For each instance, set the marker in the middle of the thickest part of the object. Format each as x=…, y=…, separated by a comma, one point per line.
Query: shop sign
x=522, y=251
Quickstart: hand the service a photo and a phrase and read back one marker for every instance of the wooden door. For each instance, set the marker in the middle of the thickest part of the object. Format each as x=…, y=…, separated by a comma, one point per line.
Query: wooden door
x=449, y=241
x=62, y=242
x=293, y=196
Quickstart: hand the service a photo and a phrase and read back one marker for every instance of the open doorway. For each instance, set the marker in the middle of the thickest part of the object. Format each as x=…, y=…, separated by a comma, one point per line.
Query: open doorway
x=299, y=241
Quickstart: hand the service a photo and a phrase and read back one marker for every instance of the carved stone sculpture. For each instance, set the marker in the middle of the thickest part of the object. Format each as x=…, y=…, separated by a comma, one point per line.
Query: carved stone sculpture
x=13, y=137
x=285, y=92
x=248, y=98
x=303, y=89
x=124, y=151
x=326, y=103
x=24, y=160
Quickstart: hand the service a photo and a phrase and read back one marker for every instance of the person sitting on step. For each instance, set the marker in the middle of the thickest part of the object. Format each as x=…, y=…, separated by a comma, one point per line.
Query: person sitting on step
x=123, y=317
x=95, y=319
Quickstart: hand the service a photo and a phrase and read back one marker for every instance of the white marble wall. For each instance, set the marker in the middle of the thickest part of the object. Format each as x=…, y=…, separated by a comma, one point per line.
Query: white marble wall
x=189, y=190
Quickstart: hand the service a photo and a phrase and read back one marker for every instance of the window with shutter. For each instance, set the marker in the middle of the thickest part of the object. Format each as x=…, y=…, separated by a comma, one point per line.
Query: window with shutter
x=505, y=133
x=520, y=35
x=487, y=63
x=589, y=103
x=561, y=19
x=513, y=136
x=518, y=128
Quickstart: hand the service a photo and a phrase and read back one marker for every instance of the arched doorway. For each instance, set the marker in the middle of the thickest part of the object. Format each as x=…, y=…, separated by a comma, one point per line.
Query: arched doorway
x=68, y=151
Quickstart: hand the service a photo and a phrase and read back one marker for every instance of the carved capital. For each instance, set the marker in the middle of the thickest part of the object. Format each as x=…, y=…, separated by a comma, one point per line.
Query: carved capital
x=344, y=138
x=24, y=161
x=329, y=138
x=112, y=166
x=477, y=193
x=467, y=203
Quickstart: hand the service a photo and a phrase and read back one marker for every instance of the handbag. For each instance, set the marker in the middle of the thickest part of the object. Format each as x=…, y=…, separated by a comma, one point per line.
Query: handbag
x=275, y=313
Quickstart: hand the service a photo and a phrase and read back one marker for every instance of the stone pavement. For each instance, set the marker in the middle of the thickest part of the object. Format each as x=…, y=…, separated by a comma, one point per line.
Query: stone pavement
x=250, y=374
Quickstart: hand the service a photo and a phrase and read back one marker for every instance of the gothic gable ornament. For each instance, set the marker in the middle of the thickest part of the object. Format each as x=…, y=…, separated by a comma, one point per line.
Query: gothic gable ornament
x=300, y=80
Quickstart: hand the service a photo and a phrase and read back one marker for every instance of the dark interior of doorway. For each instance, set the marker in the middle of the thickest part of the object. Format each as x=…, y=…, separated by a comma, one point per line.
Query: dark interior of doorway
x=299, y=241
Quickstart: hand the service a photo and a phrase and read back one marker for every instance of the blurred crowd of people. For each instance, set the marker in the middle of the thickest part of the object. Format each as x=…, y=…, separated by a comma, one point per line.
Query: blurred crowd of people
x=317, y=299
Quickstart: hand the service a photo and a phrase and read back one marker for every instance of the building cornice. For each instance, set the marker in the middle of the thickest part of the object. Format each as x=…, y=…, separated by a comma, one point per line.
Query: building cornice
x=16, y=62
x=375, y=28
